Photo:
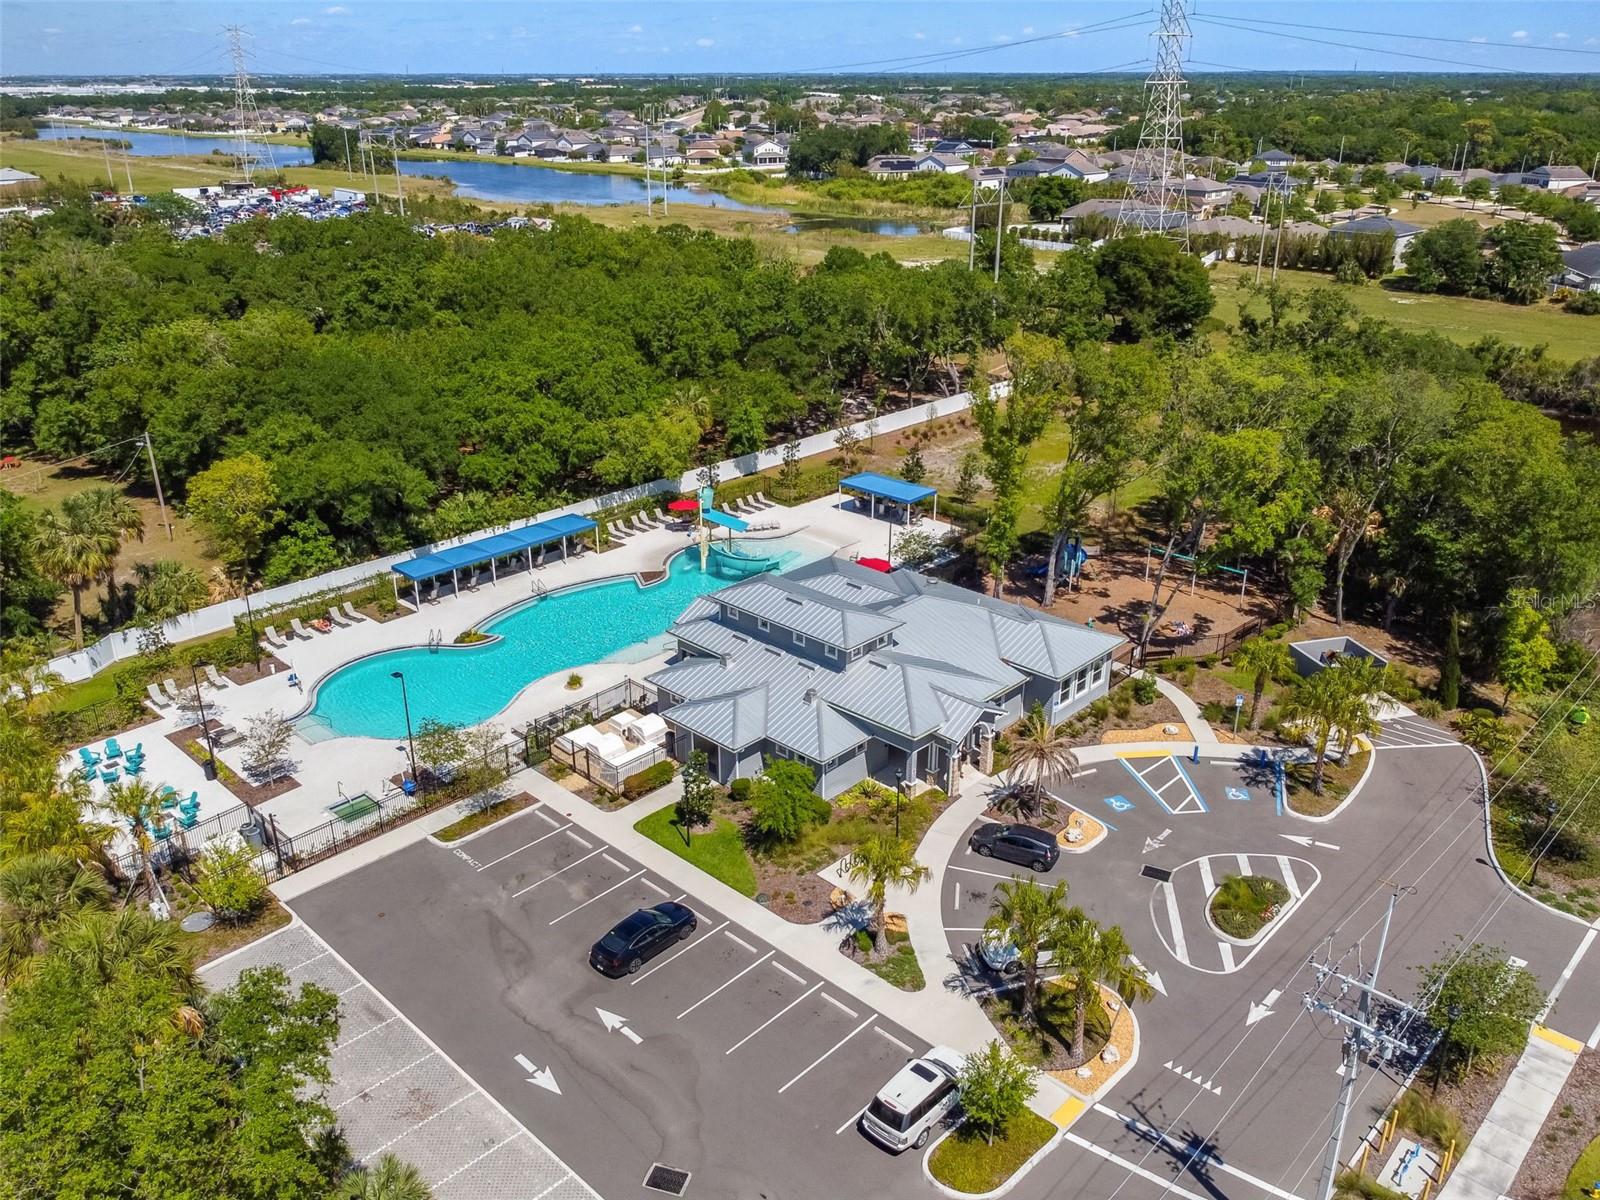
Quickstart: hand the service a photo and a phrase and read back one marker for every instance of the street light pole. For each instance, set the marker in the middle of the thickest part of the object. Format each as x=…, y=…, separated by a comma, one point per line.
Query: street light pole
x=899, y=790
x=411, y=742
x=205, y=731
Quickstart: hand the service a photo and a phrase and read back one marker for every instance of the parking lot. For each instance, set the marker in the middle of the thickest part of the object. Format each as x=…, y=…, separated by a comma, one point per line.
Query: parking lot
x=722, y=1059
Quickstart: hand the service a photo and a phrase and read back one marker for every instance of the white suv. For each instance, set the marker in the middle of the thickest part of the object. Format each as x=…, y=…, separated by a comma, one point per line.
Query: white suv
x=999, y=953
x=921, y=1094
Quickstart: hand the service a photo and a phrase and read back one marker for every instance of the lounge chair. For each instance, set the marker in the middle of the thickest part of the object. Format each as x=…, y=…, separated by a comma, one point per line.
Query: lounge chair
x=174, y=693
x=350, y=611
x=112, y=749
x=226, y=735
x=133, y=766
x=109, y=774
x=188, y=820
x=663, y=518
x=91, y=758
x=275, y=639
x=217, y=681
x=649, y=520
x=611, y=527
x=299, y=629
x=760, y=500
x=337, y=617
x=158, y=701
x=640, y=523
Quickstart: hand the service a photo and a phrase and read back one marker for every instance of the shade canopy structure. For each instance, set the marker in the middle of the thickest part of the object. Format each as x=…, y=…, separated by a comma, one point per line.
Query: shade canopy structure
x=886, y=487
x=684, y=504
x=875, y=564
x=489, y=549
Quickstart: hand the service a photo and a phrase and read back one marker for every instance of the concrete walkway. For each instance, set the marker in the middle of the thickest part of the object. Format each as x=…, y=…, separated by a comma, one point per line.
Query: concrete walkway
x=1490, y=1165
x=1199, y=728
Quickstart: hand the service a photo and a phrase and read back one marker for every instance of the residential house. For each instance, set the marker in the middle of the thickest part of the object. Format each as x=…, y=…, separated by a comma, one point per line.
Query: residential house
x=862, y=675
x=703, y=154
x=1555, y=178
x=1404, y=232
x=1205, y=196
x=1074, y=163
x=953, y=146
x=765, y=152
x=1581, y=268
x=1277, y=160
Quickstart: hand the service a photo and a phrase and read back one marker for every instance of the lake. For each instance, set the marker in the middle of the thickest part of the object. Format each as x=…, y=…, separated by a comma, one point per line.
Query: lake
x=480, y=180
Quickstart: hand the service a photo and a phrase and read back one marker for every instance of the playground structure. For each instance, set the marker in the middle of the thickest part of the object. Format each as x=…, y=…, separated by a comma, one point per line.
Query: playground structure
x=1156, y=552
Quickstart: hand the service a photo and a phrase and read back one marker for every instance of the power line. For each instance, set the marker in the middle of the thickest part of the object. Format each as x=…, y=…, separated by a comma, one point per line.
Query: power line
x=1155, y=189
x=1418, y=37
x=940, y=55
x=1300, y=37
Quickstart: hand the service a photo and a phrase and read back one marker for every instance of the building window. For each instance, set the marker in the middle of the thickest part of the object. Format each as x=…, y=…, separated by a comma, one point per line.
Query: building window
x=799, y=639
x=763, y=624
x=855, y=654
x=1080, y=682
x=830, y=651
x=732, y=613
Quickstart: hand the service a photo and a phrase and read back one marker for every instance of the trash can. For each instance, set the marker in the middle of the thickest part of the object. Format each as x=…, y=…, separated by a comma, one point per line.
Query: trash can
x=253, y=834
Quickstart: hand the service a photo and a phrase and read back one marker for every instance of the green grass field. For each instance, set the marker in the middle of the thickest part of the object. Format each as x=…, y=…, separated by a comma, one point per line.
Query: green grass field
x=718, y=851
x=967, y=1162
x=1568, y=337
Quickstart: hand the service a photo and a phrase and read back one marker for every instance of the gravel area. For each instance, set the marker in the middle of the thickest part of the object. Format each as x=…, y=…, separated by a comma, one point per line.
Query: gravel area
x=1571, y=1125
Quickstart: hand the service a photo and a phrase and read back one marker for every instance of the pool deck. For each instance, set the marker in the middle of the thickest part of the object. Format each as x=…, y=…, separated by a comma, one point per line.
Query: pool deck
x=349, y=765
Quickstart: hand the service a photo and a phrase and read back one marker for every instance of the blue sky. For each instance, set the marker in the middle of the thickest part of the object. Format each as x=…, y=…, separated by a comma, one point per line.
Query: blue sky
x=741, y=36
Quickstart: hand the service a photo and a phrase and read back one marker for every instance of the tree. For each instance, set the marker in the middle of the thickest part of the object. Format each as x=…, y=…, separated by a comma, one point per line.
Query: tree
x=1361, y=684
x=75, y=548
x=969, y=476
x=1151, y=286
x=1485, y=733
x=1446, y=258
x=27, y=594
x=881, y=862
x=1030, y=917
x=164, y=590
x=695, y=804
x=116, y=515
x=136, y=802
x=1040, y=751
x=229, y=882
x=37, y=893
x=1051, y=195
x=266, y=751
x=1525, y=258
x=234, y=504
x=1450, y=672
x=1526, y=652
x=1314, y=709
x=390, y=1179
x=1092, y=956
x=995, y=1088
x=1477, y=189
x=1493, y=1001
x=1266, y=660
x=1040, y=373
x=789, y=473
x=783, y=802
x=440, y=747
x=129, y=941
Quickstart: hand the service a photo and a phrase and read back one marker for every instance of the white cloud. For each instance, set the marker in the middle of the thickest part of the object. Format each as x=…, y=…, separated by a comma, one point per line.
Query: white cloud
x=635, y=28
x=301, y=21
x=1478, y=39
x=1560, y=37
x=1002, y=37
x=920, y=36
x=1591, y=41
x=338, y=10
x=1027, y=30
x=52, y=30
x=704, y=43
x=1519, y=35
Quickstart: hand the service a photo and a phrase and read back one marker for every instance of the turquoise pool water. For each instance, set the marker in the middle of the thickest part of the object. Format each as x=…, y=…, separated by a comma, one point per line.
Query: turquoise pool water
x=465, y=685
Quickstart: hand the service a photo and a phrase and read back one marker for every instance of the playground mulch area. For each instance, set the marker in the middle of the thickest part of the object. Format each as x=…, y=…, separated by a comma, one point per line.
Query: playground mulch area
x=1114, y=593
x=1566, y=1131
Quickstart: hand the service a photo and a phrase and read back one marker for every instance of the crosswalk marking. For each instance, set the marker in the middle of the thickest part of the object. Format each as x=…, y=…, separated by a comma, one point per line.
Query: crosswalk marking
x=1180, y=948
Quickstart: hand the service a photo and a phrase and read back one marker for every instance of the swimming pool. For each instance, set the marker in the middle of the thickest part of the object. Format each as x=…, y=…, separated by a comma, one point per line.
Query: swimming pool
x=612, y=619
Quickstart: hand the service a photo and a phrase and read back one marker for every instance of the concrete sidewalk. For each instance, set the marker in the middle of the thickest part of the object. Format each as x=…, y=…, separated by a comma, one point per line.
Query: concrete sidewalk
x=1490, y=1165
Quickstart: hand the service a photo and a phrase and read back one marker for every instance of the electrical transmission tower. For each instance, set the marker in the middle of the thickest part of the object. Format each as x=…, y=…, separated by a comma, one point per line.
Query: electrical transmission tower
x=247, y=118
x=1362, y=1036
x=1154, y=201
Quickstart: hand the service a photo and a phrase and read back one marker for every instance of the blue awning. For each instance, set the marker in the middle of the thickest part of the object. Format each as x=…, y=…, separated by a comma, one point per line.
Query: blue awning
x=886, y=487
x=498, y=545
x=724, y=519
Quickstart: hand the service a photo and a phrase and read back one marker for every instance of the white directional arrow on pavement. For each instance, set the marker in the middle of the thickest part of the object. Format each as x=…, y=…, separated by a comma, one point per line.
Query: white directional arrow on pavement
x=616, y=1024
x=1155, y=843
x=1259, y=1012
x=541, y=1077
x=1301, y=840
x=1153, y=976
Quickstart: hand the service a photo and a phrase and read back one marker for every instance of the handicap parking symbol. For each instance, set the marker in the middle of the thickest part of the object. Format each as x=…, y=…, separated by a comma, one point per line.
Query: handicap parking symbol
x=1237, y=793
x=1119, y=804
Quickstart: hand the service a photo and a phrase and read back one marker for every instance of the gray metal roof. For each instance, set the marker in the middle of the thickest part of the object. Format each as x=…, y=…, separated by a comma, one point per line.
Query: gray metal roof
x=804, y=610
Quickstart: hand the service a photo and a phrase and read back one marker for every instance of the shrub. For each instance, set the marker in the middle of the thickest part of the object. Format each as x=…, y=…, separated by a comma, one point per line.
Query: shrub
x=784, y=803
x=1428, y=707
x=1430, y=1120
x=1099, y=710
x=1210, y=660
x=1144, y=690
x=228, y=883
x=574, y=682
x=647, y=780
x=863, y=941
x=1122, y=702
x=739, y=791
x=1585, y=304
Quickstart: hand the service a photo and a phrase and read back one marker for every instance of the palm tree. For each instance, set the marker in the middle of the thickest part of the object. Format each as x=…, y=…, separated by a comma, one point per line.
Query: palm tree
x=37, y=891
x=1093, y=956
x=115, y=513
x=25, y=677
x=1316, y=706
x=390, y=1179
x=1039, y=751
x=75, y=550
x=1265, y=659
x=1031, y=918
x=138, y=803
x=881, y=862
x=99, y=944
x=167, y=589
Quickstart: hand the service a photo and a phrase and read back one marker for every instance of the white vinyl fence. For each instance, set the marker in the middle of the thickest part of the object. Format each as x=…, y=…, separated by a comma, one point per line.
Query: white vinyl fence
x=217, y=618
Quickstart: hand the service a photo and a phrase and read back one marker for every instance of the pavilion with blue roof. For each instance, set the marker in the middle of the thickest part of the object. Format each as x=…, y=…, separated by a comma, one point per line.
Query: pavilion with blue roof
x=491, y=550
x=886, y=487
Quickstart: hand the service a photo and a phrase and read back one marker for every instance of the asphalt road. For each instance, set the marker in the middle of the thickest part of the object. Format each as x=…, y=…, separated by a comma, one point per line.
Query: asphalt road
x=734, y=1063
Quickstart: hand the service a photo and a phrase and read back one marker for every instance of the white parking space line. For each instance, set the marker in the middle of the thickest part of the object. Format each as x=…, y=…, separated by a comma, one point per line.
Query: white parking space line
x=364, y=1032
x=553, y=874
x=431, y=1116
x=827, y=1052
x=592, y=899
x=546, y=817
x=735, y=937
x=955, y=898
x=963, y=928
x=307, y=962
x=523, y=847
x=1226, y=950
x=788, y=972
x=771, y=1019
x=1180, y=947
x=1208, y=883
x=660, y=891
x=725, y=984
x=854, y=1117
x=1244, y=864
x=1289, y=881
x=474, y=1162
x=975, y=871
x=841, y=1006
x=582, y=841
x=1167, y=1185
x=1205, y=1160
x=372, y=1087
x=701, y=940
x=350, y=989
x=680, y=896
x=889, y=1037
x=618, y=863
x=569, y=1175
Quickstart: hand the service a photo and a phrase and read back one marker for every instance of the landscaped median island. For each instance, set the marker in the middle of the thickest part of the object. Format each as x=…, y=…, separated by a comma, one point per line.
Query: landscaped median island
x=1244, y=905
x=968, y=1162
x=483, y=817
x=1338, y=779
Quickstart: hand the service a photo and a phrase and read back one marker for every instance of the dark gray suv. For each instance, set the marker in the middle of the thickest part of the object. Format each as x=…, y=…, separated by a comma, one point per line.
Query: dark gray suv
x=1026, y=845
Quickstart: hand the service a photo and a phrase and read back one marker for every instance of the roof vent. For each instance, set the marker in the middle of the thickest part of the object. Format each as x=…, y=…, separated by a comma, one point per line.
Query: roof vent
x=811, y=696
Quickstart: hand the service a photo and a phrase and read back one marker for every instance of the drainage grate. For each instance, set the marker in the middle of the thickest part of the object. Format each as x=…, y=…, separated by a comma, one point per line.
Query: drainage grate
x=1160, y=874
x=670, y=1180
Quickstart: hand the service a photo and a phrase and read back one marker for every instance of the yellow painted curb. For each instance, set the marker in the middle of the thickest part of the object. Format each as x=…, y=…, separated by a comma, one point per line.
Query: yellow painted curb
x=1147, y=753
x=1571, y=1044
x=1069, y=1112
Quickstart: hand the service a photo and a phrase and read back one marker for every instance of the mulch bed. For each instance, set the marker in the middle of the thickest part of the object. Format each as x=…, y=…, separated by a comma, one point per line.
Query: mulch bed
x=1472, y=1097
x=797, y=896
x=250, y=793
x=249, y=672
x=1572, y=1123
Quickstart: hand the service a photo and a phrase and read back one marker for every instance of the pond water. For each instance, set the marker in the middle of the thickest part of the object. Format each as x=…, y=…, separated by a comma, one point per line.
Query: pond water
x=881, y=226
x=144, y=145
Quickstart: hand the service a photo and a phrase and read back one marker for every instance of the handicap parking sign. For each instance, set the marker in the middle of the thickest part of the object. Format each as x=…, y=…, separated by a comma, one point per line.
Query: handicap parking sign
x=1119, y=804
x=1237, y=794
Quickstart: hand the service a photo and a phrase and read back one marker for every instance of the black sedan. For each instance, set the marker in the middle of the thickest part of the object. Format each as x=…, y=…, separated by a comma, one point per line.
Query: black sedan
x=636, y=939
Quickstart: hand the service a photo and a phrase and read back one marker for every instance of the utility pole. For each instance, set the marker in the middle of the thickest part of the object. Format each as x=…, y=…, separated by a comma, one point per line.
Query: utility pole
x=1155, y=176
x=972, y=231
x=1362, y=1037
x=999, y=226
x=161, y=500
x=394, y=146
x=243, y=98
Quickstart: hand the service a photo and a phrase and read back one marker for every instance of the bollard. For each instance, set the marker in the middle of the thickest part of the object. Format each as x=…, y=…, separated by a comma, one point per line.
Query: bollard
x=1449, y=1157
x=1427, y=1186
x=1366, y=1149
x=1195, y=757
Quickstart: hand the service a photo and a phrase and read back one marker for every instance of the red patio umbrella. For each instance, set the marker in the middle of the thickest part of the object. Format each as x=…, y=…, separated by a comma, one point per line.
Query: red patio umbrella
x=684, y=505
x=876, y=564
